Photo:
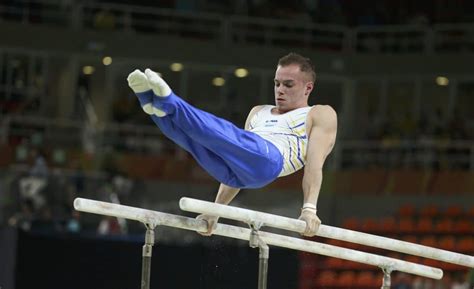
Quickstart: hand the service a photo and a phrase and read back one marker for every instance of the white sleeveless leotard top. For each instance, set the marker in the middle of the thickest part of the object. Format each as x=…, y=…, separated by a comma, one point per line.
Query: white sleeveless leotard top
x=287, y=132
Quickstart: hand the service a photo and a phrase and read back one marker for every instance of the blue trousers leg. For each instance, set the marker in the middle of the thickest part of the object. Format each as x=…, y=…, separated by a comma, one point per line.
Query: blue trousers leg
x=231, y=155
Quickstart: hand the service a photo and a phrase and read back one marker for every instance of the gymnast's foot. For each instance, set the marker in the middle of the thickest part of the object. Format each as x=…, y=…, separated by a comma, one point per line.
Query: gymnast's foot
x=138, y=82
x=157, y=84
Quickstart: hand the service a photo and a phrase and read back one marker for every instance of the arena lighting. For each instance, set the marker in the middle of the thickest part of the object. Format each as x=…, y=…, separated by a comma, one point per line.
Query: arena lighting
x=107, y=60
x=241, y=72
x=442, y=81
x=88, y=69
x=218, y=81
x=176, y=67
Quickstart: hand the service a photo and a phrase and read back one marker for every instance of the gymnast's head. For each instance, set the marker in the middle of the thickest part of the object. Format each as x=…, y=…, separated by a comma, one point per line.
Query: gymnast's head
x=294, y=81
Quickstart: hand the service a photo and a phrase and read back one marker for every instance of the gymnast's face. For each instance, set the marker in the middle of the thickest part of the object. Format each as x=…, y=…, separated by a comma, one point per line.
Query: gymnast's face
x=292, y=88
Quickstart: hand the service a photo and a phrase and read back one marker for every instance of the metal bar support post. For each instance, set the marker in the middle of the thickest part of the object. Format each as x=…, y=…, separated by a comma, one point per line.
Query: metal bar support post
x=146, y=255
x=386, y=283
x=264, y=253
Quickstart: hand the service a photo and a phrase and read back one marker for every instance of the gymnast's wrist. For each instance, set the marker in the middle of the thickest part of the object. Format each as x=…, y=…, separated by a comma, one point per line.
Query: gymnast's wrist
x=309, y=207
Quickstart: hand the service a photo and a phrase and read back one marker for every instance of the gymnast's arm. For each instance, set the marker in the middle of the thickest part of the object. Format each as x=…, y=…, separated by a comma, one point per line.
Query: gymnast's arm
x=322, y=136
x=225, y=194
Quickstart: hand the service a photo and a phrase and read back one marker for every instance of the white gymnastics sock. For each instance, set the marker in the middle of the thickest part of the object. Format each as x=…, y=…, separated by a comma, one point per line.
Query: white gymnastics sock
x=138, y=82
x=157, y=84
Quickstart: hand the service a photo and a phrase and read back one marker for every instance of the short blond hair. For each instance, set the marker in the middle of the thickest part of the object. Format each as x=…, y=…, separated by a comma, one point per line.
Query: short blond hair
x=304, y=63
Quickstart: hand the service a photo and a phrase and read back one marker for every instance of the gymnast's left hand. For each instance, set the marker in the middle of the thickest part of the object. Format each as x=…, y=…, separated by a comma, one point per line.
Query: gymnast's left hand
x=312, y=222
x=211, y=223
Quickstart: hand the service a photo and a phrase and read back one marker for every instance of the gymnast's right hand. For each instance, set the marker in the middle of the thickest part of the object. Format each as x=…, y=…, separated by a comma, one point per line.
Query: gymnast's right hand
x=211, y=223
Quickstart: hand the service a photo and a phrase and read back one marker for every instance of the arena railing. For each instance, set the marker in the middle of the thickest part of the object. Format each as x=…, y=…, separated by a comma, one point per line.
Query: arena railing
x=245, y=30
x=429, y=153
x=422, y=154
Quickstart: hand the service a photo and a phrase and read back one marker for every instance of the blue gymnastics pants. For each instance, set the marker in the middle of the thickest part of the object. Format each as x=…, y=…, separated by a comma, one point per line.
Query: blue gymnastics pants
x=233, y=156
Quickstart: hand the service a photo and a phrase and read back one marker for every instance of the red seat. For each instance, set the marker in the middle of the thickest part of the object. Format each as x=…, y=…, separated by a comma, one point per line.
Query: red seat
x=453, y=211
x=306, y=257
x=429, y=241
x=413, y=259
x=335, y=242
x=410, y=238
x=370, y=225
x=366, y=279
x=344, y=244
x=388, y=225
x=326, y=279
x=447, y=243
x=394, y=255
x=432, y=263
x=444, y=226
x=307, y=270
x=465, y=245
x=346, y=279
x=351, y=265
x=406, y=226
x=333, y=263
x=338, y=264
x=463, y=226
x=351, y=224
x=424, y=225
x=451, y=267
x=470, y=213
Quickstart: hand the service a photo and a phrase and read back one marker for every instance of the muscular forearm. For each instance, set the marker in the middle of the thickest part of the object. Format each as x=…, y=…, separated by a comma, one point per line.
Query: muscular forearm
x=312, y=185
x=226, y=194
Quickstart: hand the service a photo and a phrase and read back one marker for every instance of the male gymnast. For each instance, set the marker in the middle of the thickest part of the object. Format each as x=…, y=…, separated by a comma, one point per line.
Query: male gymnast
x=278, y=139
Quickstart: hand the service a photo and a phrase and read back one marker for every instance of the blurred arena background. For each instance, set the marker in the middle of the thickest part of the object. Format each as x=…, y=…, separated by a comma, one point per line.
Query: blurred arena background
x=399, y=74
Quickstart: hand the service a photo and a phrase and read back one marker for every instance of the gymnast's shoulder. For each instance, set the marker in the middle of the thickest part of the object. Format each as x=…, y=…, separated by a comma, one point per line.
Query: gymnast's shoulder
x=323, y=113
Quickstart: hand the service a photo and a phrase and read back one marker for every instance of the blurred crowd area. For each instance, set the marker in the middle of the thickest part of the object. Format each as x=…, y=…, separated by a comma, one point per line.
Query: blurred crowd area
x=38, y=197
x=407, y=26
x=351, y=13
x=49, y=157
x=449, y=228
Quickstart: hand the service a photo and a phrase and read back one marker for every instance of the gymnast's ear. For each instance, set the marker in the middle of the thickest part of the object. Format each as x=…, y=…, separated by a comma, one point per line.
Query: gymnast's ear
x=308, y=88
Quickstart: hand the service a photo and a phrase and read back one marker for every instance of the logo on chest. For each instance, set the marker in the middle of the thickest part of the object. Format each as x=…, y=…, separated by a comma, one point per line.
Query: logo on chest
x=271, y=122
